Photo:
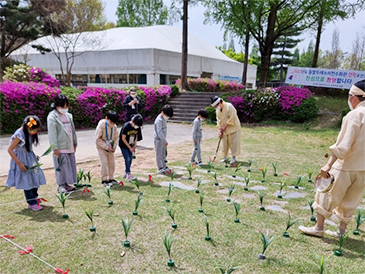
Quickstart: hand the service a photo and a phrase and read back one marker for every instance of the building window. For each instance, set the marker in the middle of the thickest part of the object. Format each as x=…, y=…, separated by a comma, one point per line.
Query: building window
x=163, y=79
x=120, y=78
x=137, y=79
x=173, y=79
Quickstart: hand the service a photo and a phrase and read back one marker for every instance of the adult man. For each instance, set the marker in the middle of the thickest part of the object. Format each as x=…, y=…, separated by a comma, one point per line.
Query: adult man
x=132, y=104
x=346, y=165
x=229, y=127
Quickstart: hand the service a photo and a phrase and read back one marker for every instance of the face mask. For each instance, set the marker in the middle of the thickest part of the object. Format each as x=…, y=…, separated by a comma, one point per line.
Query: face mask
x=166, y=117
x=136, y=127
x=133, y=95
x=350, y=105
x=62, y=110
x=218, y=108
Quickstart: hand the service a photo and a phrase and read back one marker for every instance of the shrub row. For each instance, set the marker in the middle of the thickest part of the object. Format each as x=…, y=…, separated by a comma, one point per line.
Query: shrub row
x=209, y=85
x=283, y=103
x=87, y=104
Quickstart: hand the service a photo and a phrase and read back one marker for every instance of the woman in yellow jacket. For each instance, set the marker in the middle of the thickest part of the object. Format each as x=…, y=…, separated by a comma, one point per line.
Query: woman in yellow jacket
x=229, y=127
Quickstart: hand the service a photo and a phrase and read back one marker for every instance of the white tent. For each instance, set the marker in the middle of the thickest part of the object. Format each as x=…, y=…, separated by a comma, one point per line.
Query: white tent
x=124, y=56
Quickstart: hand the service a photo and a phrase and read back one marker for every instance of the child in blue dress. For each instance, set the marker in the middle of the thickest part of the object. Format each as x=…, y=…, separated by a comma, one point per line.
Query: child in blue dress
x=21, y=174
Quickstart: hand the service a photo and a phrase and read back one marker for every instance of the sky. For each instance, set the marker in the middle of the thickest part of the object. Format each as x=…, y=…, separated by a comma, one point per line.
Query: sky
x=213, y=35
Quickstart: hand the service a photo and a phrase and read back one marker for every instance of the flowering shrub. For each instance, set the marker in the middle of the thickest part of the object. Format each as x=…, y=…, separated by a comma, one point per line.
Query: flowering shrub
x=17, y=73
x=209, y=85
x=19, y=100
x=22, y=72
x=283, y=103
x=88, y=104
x=38, y=75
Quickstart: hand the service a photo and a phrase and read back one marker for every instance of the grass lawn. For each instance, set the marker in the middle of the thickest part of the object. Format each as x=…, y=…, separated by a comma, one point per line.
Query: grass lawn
x=68, y=244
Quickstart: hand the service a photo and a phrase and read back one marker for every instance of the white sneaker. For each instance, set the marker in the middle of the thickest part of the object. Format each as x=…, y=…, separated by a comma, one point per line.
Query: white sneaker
x=223, y=160
x=233, y=160
x=161, y=171
x=200, y=164
x=129, y=176
x=125, y=175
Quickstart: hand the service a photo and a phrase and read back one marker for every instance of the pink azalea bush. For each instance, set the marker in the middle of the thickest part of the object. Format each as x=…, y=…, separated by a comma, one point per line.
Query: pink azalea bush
x=209, y=85
x=282, y=103
x=20, y=99
x=38, y=75
x=87, y=104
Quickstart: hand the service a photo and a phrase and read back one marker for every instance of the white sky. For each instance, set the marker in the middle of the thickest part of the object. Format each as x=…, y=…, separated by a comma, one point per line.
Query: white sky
x=213, y=35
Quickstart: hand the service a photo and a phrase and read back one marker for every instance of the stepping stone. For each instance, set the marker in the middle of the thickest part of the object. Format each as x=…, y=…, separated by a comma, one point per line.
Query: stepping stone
x=202, y=171
x=223, y=190
x=306, y=207
x=281, y=202
x=296, y=188
x=294, y=195
x=258, y=188
x=239, y=184
x=185, y=178
x=177, y=185
x=249, y=195
x=237, y=177
x=275, y=208
x=278, y=192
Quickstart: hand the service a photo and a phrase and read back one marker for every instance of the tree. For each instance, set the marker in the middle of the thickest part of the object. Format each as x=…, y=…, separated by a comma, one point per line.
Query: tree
x=356, y=59
x=24, y=21
x=329, y=11
x=141, y=13
x=333, y=59
x=282, y=54
x=231, y=45
x=306, y=57
x=79, y=17
x=265, y=21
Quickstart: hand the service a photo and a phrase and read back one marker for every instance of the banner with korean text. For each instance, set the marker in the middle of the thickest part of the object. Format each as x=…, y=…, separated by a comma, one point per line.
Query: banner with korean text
x=319, y=77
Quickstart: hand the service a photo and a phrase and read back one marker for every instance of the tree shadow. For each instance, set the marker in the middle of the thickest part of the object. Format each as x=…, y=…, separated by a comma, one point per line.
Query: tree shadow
x=86, y=196
x=352, y=248
x=4, y=188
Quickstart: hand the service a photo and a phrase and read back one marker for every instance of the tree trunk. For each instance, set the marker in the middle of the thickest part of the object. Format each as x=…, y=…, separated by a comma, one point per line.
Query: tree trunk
x=245, y=64
x=267, y=46
x=318, y=38
x=184, y=55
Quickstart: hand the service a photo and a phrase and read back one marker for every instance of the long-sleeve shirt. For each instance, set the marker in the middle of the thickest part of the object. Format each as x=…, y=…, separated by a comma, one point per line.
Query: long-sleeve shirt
x=350, y=145
x=100, y=135
x=228, y=116
x=197, y=129
x=160, y=129
x=135, y=108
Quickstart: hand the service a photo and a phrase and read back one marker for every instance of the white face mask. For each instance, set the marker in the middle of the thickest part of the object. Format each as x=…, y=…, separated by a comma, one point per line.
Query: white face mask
x=136, y=127
x=350, y=105
x=218, y=108
x=133, y=95
x=166, y=117
x=62, y=110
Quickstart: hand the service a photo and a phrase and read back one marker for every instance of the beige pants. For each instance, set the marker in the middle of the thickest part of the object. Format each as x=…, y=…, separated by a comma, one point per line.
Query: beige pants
x=344, y=197
x=107, y=165
x=232, y=141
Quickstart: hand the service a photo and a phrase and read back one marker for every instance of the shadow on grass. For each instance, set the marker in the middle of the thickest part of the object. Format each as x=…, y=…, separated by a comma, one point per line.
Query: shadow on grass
x=86, y=196
x=48, y=214
x=352, y=248
x=4, y=188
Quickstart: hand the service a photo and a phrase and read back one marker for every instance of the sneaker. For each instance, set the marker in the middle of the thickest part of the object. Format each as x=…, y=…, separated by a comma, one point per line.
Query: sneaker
x=200, y=164
x=311, y=231
x=161, y=171
x=167, y=170
x=70, y=188
x=35, y=207
x=113, y=182
x=130, y=176
x=233, y=160
x=106, y=183
x=223, y=160
x=125, y=175
x=62, y=189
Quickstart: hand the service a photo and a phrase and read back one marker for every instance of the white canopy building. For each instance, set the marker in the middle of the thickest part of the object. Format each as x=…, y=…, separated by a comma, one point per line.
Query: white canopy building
x=119, y=57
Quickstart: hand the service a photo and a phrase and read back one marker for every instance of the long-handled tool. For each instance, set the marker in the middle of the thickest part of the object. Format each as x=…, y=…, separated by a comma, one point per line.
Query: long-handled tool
x=216, y=152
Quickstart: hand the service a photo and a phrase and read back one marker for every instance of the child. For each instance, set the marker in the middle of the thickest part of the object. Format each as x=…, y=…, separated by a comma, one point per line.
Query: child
x=62, y=135
x=128, y=137
x=106, y=139
x=159, y=136
x=23, y=159
x=197, y=136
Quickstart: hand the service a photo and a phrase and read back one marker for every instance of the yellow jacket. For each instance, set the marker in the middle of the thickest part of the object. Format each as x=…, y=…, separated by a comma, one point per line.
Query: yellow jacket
x=228, y=115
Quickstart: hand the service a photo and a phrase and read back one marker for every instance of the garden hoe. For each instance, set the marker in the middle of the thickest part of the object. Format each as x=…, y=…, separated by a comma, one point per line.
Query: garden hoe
x=216, y=152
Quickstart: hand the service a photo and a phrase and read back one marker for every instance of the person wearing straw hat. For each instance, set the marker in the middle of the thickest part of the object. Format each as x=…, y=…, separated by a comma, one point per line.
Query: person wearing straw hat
x=229, y=127
x=347, y=166
x=132, y=104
